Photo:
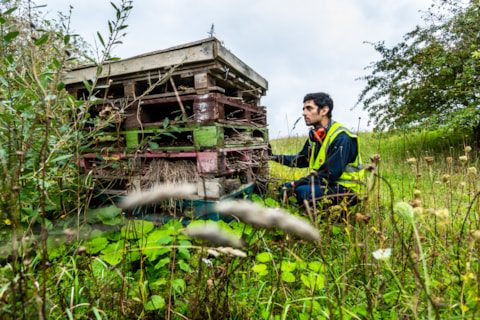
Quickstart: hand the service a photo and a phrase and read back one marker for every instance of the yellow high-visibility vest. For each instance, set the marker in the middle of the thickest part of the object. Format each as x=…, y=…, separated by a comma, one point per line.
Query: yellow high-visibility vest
x=354, y=174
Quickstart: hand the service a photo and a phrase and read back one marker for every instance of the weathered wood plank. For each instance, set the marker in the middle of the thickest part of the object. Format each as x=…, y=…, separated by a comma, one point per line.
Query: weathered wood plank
x=190, y=53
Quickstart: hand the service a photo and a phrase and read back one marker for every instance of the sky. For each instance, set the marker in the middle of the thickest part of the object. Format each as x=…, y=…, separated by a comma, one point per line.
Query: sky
x=299, y=47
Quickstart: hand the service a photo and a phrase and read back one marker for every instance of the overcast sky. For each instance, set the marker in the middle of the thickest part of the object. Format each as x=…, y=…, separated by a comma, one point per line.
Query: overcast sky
x=299, y=46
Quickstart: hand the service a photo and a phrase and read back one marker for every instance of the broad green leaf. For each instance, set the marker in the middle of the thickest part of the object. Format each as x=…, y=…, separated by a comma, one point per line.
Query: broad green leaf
x=154, y=303
x=313, y=281
x=288, y=276
x=113, y=253
x=264, y=257
x=184, y=266
x=110, y=215
x=315, y=266
x=260, y=269
x=289, y=266
x=137, y=229
x=160, y=264
x=96, y=244
x=178, y=285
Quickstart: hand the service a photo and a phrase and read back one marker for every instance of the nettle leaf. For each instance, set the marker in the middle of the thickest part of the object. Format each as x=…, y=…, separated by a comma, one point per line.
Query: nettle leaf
x=154, y=303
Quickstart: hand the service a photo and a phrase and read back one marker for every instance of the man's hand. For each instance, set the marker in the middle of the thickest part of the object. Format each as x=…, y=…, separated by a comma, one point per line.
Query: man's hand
x=269, y=150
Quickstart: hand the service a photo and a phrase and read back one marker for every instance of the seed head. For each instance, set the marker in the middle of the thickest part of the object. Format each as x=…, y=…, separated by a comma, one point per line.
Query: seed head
x=442, y=214
x=417, y=194
x=446, y=178
x=475, y=234
x=212, y=232
x=232, y=252
x=157, y=193
x=472, y=171
x=468, y=149
x=463, y=159
x=412, y=161
x=449, y=160
x=404, y=210
x=259, y=216
x=429, y=160
x=375, y=159
x=415, y=203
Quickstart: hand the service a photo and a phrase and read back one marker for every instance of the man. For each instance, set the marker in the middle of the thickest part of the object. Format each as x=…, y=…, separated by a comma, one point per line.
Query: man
x=331, y=151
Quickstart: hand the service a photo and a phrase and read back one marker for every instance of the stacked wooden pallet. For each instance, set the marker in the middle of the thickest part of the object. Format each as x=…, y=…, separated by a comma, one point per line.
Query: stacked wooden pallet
x=187, y=113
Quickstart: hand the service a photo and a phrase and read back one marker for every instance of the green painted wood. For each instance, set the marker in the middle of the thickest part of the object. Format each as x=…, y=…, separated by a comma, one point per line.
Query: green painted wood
x=208, y=136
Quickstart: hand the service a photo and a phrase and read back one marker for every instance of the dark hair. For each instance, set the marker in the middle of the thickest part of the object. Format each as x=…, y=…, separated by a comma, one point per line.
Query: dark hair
x=321, y=99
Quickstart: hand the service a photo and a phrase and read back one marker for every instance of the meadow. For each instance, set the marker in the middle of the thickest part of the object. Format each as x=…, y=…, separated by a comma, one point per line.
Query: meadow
x=408, y=251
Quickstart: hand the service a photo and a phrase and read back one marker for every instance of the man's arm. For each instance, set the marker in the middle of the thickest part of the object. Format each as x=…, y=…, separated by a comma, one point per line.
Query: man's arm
x=299, y=160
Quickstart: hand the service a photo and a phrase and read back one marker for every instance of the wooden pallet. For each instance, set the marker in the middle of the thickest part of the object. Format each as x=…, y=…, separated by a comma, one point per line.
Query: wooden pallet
x=198, y=67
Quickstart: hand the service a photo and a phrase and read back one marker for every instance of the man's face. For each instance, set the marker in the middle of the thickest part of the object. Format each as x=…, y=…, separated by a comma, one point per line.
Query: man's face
x=312, y=115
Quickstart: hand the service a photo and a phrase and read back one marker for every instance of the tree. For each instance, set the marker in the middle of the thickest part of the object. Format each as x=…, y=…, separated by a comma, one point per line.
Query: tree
x=432, y=76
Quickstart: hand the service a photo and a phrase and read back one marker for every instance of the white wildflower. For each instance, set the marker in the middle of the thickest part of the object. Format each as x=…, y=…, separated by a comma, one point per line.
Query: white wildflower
x=158, y=192
x=382, y=254
x=463, y=159
x=213, y=233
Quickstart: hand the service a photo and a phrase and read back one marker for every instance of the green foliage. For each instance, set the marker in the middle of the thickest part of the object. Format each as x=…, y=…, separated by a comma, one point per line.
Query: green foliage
x=431, y=77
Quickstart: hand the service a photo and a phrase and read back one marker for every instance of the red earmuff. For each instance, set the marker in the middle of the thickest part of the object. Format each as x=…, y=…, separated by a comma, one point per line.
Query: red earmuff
x=319, y=134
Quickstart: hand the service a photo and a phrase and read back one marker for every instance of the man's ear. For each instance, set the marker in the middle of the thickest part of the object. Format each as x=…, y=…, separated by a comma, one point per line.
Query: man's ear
x=325, y=110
